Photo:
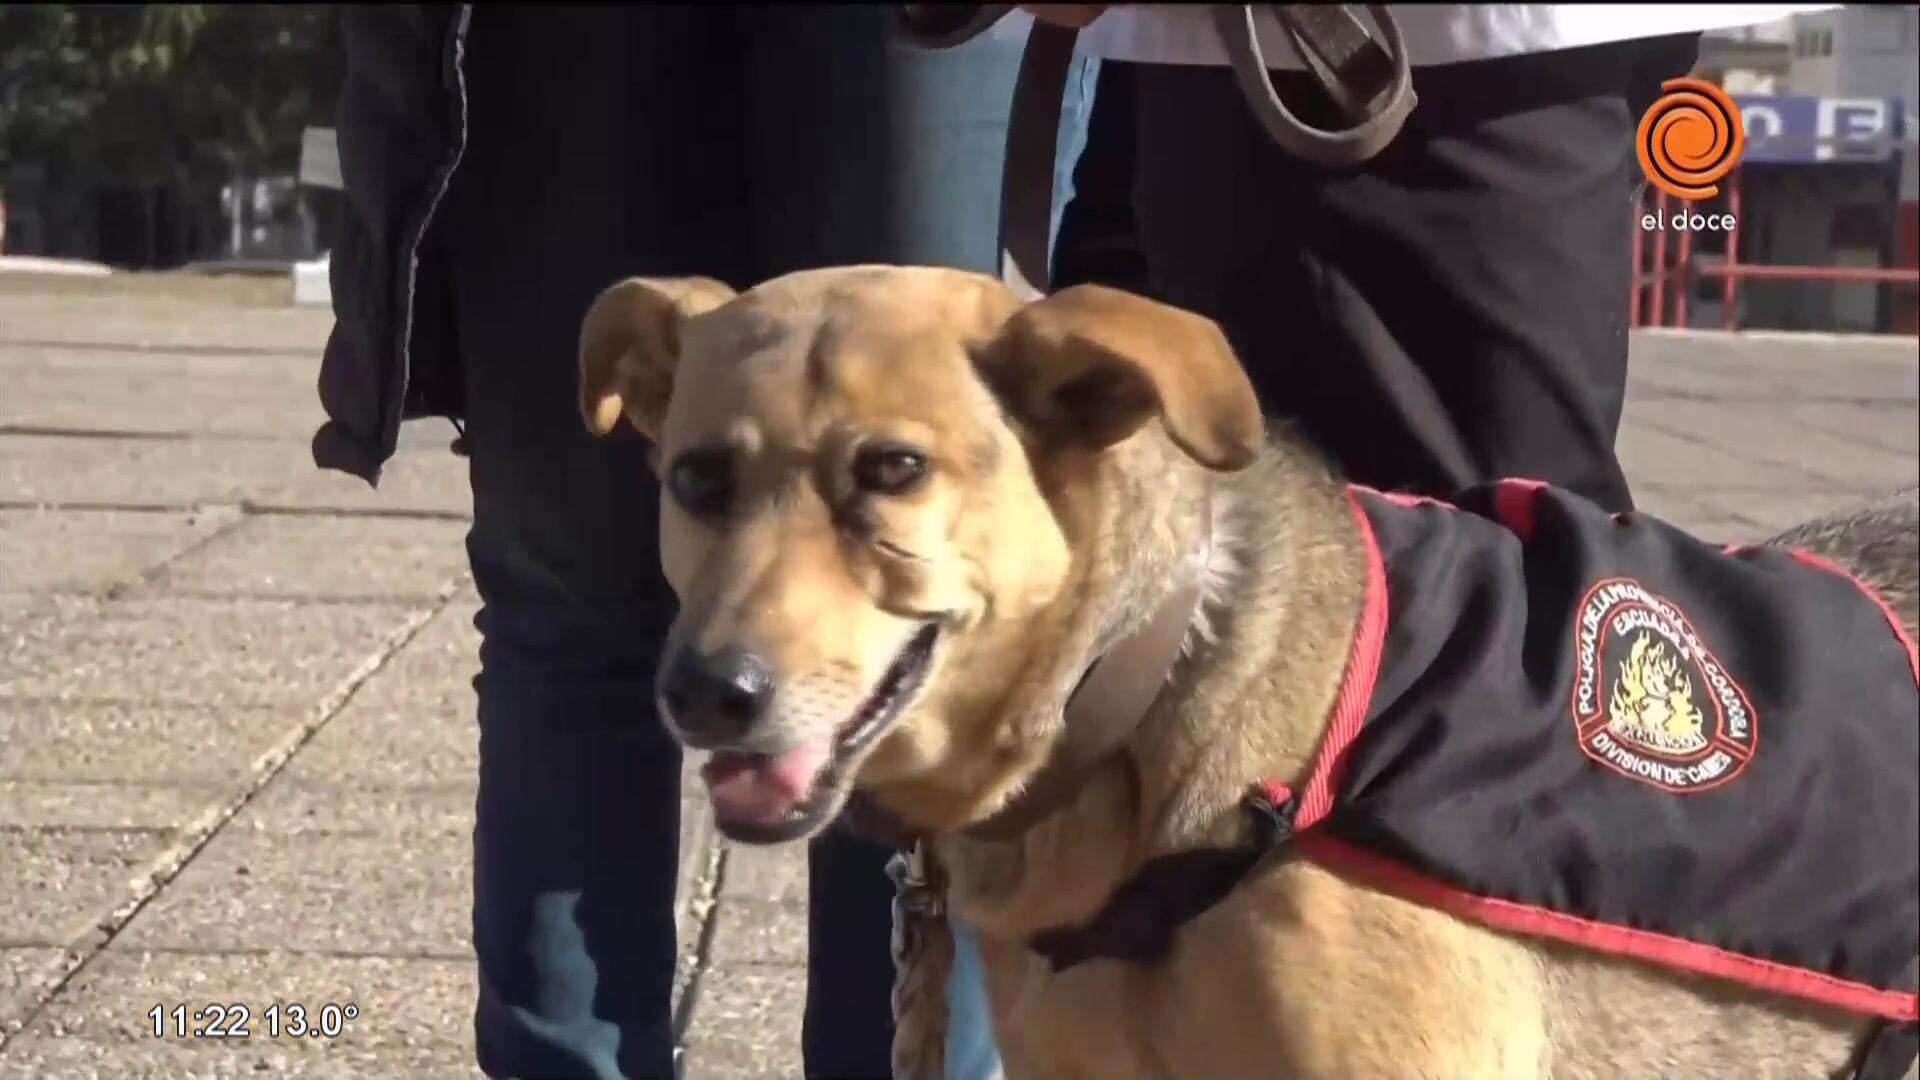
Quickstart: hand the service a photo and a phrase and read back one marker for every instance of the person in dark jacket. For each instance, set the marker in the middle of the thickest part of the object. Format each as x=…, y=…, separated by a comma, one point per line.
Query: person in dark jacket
x=502, y=166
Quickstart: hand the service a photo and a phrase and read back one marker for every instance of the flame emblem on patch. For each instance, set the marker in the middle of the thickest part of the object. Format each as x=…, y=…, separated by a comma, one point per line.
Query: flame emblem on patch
x=1653, y=699
x=1650, y=700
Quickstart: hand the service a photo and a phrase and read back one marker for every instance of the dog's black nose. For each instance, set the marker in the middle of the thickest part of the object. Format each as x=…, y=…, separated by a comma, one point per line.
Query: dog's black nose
x=714, y=699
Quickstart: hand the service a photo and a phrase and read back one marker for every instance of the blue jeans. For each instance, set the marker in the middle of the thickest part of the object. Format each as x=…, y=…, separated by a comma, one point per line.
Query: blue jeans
x=734, y=142
x=971, y=1053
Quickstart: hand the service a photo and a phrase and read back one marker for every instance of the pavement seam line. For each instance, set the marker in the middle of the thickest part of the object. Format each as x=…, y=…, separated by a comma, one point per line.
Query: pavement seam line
x=1859, y=442
x=1890, y=342
x=1817, y=479
x=267, y=508
x=1659, y=394
x=225, y=517
x=197, y=833
x=249, y=507
x=702, y=909
x=254, y=596
x=1854, y=439
x=463, y=958
x=55, y=431
x=164, y=348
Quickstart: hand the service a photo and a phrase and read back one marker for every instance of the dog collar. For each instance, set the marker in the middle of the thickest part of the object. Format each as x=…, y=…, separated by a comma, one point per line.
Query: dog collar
x=1111, y=700
x=1101, y=716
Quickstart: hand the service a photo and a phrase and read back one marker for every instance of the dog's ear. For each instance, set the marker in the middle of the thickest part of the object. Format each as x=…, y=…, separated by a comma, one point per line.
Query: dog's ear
x=629, y=345
x=1089, y=365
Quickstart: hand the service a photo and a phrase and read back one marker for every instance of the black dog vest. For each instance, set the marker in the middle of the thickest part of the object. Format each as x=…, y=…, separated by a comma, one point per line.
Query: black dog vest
x=1597, y=729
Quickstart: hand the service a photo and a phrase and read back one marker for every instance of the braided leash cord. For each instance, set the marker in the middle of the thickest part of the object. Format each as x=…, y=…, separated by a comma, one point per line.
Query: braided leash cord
x=922, y=962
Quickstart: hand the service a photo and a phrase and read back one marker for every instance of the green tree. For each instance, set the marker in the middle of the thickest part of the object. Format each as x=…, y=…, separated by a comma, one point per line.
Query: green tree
x=92, y=85
x=254, y=79
x=178, y=97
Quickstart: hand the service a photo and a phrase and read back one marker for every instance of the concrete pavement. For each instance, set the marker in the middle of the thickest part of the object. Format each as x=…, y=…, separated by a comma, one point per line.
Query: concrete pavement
x=236, y=743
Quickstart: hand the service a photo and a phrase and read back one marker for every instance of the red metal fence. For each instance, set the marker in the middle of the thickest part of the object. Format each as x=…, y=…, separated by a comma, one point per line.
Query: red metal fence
x=1654, y=279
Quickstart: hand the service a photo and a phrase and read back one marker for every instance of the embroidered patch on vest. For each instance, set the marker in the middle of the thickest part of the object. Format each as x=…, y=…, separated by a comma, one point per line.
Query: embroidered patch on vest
x=1650, y=700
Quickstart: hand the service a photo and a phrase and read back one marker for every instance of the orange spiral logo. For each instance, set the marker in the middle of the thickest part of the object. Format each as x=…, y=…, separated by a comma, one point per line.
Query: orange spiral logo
x=1690, y=139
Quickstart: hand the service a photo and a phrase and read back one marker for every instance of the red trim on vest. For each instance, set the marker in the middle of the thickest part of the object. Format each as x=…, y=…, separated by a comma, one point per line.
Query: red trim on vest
x=1404, y=499
x=1392, y=878
x=1356, y=685
x=1513, y=500
x=1886, y=609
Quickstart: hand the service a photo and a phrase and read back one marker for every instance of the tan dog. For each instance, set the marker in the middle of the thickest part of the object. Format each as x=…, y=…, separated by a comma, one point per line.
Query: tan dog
x=903, y=513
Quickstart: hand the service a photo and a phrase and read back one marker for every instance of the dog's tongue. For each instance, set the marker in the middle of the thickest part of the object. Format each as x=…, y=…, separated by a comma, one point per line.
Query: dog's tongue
x=762, y=790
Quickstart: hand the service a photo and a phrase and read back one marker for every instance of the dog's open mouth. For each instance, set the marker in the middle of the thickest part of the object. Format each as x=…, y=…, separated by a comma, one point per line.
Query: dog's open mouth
x=772, y=798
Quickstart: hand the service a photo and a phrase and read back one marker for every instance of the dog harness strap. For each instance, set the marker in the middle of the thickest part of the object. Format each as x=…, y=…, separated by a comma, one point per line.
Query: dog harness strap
x=1894, y=1046
x=1140, y=919
x=1111, y=700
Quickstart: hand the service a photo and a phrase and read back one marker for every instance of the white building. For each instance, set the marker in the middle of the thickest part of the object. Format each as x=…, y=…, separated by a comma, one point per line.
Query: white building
x=1827, y=73
x=1865, y=51
x=1859, y=50
x=1748, y=59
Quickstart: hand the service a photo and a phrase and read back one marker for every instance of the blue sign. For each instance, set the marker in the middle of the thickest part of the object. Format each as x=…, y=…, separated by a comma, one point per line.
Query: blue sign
x=1804, y=129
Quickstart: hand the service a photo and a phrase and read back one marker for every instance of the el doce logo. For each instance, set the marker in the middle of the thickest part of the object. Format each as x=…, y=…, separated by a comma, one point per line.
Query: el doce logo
x=1690, y=139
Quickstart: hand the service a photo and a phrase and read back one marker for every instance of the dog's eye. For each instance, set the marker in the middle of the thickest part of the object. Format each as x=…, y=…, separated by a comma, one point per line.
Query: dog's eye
x=888, y=470
x=701, y=481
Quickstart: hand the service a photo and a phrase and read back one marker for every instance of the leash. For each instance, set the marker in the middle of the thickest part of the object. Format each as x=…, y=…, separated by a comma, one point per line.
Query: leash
x=921, y=946
x=1371, y=83
x=1026, y=171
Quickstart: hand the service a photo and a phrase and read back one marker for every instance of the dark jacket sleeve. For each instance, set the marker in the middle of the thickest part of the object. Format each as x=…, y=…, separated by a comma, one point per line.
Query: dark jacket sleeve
x=400, y=124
